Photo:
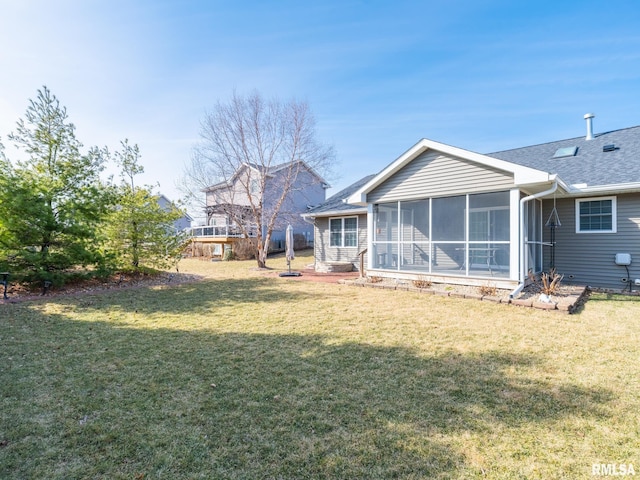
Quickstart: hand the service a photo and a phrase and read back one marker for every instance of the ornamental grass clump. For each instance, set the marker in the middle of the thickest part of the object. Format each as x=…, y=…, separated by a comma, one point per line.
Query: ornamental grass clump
x=488, y=290
x=422, y=283
x=550, y=282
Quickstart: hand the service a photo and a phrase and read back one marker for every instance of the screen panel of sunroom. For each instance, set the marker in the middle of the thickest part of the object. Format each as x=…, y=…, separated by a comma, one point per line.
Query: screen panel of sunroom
x=414, y=235
x=448, y=226
x=489, y=233
x=385, y=235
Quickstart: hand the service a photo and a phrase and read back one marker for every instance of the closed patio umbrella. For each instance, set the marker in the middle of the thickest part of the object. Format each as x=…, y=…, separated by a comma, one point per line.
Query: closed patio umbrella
x=289, y=252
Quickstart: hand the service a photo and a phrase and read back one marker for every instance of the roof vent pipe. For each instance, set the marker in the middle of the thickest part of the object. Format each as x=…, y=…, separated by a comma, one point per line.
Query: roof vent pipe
x=589, y=118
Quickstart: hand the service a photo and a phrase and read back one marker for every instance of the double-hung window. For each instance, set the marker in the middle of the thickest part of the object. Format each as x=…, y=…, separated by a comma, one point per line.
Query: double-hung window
x=343, y=232
x=596, y=215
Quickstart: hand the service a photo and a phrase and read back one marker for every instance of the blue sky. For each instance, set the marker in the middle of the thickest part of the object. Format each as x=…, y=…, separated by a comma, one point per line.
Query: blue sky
x=379, y=76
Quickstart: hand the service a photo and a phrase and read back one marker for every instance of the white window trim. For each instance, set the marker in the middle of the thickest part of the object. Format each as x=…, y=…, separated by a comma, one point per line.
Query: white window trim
x=614, y=214
x=342, y=231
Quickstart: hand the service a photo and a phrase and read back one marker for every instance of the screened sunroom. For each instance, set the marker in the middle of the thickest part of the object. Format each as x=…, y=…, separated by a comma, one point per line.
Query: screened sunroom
x=455, y=216
x=463, y=235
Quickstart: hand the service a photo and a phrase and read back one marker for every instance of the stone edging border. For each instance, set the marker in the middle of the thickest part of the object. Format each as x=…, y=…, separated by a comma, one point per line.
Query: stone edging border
x=567, y=304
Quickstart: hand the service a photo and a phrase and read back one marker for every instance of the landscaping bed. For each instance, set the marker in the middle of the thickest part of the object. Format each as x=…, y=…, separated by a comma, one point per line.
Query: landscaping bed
x=20, y=292
x=567, y=298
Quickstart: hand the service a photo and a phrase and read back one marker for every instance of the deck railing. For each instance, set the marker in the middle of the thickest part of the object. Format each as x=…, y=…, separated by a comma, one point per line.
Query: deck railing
x=223, y=231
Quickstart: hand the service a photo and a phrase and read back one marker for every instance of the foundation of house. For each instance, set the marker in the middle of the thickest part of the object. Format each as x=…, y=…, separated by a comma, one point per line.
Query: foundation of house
x=334, y=267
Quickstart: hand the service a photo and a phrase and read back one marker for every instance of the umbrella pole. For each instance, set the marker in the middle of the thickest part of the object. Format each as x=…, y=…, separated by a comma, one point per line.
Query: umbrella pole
x=289, y=253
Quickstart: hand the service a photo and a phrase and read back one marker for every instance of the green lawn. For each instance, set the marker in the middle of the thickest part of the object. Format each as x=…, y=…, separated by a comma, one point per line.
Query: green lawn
x=246, y=375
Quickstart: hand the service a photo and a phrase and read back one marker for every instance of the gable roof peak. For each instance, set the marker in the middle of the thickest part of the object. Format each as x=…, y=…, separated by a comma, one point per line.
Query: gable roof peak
x=522, y=174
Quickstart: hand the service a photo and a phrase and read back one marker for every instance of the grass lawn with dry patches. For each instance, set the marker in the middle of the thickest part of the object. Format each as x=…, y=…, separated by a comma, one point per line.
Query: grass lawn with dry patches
x=246, y=375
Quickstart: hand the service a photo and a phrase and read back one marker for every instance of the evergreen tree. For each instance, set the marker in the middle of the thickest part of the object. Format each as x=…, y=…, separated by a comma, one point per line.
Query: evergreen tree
x=52, y=201
x=140, y=231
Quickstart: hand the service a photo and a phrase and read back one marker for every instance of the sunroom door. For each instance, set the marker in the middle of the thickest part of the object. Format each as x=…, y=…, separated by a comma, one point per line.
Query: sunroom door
x=533, y=240
x=488, y=234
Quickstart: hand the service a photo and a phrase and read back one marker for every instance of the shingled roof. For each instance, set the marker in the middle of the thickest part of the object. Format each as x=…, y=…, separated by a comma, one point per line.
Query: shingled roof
x=336, y=203
x=590, y=165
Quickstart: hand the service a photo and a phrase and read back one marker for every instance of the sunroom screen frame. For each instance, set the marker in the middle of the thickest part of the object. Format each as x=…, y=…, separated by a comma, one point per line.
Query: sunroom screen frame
x=507, y=272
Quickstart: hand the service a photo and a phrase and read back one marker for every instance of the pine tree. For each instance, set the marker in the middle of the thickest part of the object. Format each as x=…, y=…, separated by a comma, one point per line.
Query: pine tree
x=52, y=201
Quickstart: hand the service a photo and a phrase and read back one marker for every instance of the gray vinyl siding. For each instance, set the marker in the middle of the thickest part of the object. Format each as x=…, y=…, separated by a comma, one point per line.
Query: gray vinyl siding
x=434, y=174
x=588, y=258
x=325, y=253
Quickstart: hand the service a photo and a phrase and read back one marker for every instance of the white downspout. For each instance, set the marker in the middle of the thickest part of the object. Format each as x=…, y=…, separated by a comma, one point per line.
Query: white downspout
x=524, y=200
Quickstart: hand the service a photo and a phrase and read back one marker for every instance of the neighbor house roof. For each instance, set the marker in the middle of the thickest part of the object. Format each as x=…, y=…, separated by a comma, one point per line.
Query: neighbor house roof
x=163, y=197
x=336, y=204
x=269, y=172
x=609, y=159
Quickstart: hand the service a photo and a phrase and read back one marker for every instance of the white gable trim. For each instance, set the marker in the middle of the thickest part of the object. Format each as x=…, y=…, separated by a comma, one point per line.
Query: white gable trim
x=522, y=175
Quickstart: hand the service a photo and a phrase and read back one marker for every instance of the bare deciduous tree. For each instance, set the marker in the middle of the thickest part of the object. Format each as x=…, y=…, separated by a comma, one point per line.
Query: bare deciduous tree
x=254, y=157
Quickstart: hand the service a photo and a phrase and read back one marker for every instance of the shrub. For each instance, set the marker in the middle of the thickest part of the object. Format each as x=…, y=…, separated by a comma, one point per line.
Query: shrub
x=228, y=255
x=488, y=290
x=299, y=242
x=422, y=283
x=374, y=279
x=243, y=249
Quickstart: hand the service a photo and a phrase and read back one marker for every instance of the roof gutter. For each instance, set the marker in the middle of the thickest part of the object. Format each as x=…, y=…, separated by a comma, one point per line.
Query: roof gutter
x=616, y=188
x=336, y=213
x=523, y=201
x=309, y=219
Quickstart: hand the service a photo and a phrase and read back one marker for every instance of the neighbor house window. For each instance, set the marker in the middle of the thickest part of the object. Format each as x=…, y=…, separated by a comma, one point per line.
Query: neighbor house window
x=596, y=215
x=343, y=232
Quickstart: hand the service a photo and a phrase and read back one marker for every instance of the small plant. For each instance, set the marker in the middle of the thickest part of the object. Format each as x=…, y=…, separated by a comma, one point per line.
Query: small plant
x=532, y=277
x=422, y=282
x=228, y=254
x=488, y=290
x=374, y=279
x=550, y=282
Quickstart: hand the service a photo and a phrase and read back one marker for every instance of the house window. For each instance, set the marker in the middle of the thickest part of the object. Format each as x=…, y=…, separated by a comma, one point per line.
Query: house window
x=596, y=215
x=343, y=232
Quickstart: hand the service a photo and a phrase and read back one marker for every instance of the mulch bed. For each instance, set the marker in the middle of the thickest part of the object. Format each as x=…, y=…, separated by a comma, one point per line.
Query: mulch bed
x=20, y=293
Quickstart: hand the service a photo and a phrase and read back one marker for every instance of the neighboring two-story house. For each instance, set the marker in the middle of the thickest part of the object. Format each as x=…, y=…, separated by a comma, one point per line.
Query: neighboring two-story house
x=231, y=206
x=181, y=223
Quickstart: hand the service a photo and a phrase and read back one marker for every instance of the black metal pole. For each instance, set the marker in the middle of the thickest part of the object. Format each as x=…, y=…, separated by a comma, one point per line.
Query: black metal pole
x=553, y=246
x=5, y=282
